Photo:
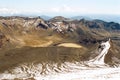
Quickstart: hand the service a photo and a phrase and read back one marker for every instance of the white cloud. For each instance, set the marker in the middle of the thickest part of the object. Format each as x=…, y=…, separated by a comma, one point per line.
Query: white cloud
x=8, y=11
x=64, y=9
x=69, y=9
x=82, y=10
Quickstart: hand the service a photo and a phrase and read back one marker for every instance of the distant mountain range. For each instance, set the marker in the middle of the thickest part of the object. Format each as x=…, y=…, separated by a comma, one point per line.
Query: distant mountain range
x=45, y=17
x=107, y=18
x=81, y=17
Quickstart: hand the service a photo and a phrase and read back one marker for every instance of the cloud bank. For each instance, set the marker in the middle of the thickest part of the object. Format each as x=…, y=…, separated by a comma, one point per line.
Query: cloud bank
x=64, y=9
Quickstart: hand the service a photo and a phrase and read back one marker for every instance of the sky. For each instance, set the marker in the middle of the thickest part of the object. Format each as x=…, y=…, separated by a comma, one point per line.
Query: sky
x=59, y=7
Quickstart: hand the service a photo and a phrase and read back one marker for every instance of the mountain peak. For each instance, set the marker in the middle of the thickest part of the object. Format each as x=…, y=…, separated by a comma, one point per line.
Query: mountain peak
x=59, y=19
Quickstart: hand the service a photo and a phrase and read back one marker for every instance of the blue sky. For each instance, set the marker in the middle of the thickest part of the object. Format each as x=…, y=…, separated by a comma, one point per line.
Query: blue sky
x=59, y=7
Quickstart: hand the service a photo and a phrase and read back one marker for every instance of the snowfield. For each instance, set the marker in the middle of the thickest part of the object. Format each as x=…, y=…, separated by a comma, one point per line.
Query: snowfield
x=90, y=74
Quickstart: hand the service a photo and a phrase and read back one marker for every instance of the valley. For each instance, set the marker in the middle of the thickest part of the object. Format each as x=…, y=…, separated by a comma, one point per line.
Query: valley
x=34, y=47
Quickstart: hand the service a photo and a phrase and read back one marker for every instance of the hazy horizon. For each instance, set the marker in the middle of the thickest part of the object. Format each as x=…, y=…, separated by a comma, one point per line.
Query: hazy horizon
x=59, y=7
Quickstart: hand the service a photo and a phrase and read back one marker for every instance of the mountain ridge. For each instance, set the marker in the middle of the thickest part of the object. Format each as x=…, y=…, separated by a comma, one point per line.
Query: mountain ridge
x=37, y=32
